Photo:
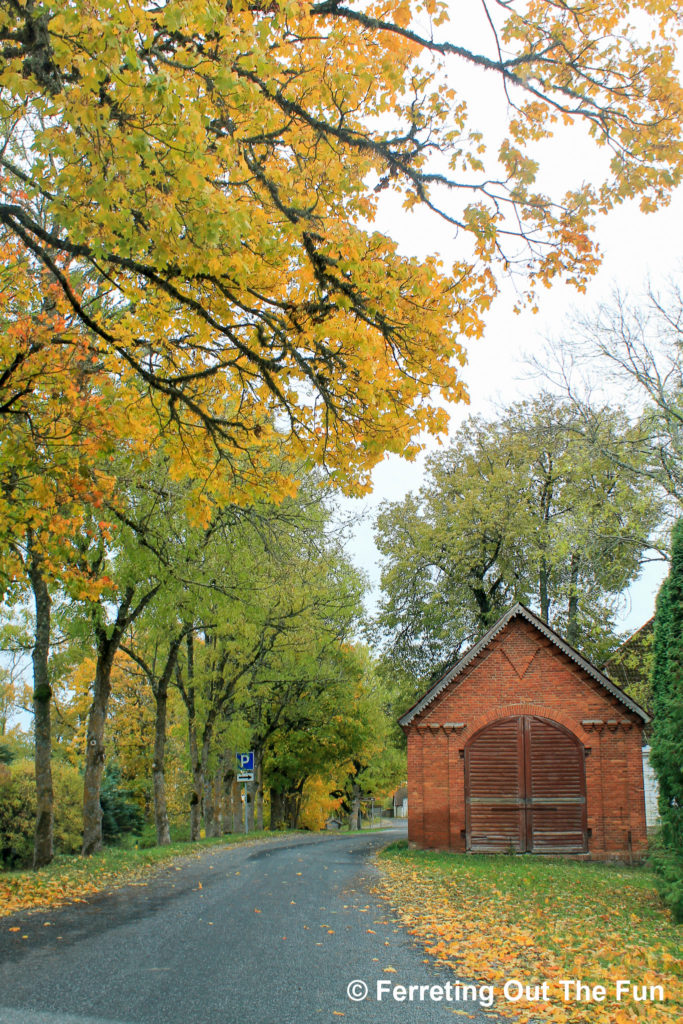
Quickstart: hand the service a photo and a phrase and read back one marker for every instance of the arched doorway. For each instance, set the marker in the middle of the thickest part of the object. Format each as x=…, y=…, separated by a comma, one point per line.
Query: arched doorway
x=525, y=788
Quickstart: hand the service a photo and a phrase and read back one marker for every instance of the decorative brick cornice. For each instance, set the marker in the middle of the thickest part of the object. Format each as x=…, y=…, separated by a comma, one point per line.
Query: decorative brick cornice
x=612, y=724
x=436, y=726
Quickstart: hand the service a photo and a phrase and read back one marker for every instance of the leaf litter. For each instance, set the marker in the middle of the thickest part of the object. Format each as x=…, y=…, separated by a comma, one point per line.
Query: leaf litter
x=500, y=918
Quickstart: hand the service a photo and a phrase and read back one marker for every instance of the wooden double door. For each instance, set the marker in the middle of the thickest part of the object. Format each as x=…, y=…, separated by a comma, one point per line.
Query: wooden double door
x=525, y=788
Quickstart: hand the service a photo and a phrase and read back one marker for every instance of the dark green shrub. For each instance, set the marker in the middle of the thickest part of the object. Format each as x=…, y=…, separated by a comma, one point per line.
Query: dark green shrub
x=121, y=816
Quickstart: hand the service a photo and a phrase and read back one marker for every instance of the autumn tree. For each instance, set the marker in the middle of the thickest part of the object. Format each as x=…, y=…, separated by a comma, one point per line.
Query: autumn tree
x=154, y=651
x=526, y=507
x=330, y=725
x=667, y=727
x=277, y=594
x=201, y=183
x=52, y=422
x=115, y=578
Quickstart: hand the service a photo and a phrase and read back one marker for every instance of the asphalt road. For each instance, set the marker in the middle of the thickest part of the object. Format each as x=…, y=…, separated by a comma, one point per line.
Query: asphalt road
x=269, y=933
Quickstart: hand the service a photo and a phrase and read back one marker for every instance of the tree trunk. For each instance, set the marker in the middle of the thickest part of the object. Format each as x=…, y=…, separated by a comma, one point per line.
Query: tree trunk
x=158, y=766
x=543, y=590
x=108, y=642
x=259, y=792
x=212, y=799
x=573, y=609
x=277, y=809
x=209, y=818
x=197, y=782
x=229, y=804
x=187, y=694
x=42, y=695
x=207, y=802
x=94, y=754
x=354, y=816
x=250, y=805
x=160, y=685
x=293, y=805
x=236, y=804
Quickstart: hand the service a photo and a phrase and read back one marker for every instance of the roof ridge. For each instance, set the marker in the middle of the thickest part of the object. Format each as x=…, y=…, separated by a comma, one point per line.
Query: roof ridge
x=519, y=609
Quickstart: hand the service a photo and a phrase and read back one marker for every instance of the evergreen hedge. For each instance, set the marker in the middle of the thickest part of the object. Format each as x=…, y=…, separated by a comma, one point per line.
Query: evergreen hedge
x=667, y=730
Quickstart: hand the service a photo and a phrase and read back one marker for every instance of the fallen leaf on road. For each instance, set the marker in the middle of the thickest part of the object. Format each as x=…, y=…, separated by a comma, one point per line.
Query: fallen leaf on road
x=390, y=970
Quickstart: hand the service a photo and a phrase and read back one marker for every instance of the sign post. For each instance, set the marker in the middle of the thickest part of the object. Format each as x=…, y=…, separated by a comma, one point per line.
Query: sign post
x=245, y=775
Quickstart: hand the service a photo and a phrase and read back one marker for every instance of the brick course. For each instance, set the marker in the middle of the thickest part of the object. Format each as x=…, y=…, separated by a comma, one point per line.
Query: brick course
x=522, y=672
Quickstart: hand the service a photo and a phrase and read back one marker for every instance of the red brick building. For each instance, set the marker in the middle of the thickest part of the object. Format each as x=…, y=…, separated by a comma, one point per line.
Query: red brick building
x=525, y=746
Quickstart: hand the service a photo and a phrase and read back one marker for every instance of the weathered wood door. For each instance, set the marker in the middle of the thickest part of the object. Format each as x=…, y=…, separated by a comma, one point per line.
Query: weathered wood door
x=525, y=788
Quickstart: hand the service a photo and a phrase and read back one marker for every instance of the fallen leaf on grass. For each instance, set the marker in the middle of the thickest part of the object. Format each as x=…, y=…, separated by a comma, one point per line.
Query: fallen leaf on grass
x=490, y=932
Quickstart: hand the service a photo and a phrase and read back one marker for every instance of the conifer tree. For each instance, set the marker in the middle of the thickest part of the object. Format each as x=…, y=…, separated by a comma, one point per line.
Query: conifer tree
x=667, y=733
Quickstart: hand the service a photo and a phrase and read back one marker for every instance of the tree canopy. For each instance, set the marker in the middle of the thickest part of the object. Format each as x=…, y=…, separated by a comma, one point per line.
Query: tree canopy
x=525, y=507
x=201, y=181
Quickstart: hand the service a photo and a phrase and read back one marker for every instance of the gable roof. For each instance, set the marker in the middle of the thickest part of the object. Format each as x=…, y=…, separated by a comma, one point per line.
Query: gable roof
x=524, y=613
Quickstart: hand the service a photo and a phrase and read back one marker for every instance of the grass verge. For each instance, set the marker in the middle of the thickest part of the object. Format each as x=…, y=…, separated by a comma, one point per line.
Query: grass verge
x=71, y=879
x=531, y=920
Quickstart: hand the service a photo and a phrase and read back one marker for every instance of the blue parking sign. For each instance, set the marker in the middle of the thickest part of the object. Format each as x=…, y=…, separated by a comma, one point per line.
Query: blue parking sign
x=246, y=761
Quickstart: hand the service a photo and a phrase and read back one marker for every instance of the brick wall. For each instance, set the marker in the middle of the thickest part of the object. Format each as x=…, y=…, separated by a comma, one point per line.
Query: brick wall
x=521, y=672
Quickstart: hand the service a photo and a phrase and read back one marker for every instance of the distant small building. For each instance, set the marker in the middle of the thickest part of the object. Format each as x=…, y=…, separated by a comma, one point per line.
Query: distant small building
x=524, y=746
x=400, y=802
x=652, y=818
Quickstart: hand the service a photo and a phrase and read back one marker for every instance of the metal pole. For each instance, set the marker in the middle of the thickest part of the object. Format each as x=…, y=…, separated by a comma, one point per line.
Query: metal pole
x=246, y=811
